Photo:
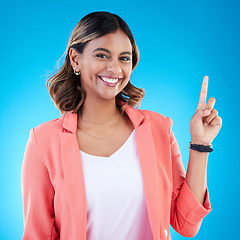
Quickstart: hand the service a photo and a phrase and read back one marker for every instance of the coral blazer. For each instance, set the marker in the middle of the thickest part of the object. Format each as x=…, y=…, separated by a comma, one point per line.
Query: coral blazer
x=54, y=197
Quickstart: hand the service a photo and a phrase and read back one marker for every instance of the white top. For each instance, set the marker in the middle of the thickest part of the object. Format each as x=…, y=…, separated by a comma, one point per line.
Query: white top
x=116, y=207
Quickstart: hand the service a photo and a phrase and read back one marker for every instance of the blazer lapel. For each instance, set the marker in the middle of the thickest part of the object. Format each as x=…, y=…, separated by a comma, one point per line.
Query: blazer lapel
x=73, y=175
x=149, y=173
x=147, y=158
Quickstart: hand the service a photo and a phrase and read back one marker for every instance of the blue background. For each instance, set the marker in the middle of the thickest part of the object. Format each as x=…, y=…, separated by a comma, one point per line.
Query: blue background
x=179, y=43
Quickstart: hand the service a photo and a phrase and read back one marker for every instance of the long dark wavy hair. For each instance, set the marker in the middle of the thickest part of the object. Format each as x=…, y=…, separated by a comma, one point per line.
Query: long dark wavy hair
x=65, y=87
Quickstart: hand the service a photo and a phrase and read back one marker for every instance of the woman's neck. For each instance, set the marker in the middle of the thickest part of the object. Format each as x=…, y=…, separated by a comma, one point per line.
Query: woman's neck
x=98, y=111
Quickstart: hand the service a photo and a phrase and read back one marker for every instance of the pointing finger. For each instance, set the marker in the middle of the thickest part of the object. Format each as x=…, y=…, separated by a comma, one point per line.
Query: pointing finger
x=203, y=94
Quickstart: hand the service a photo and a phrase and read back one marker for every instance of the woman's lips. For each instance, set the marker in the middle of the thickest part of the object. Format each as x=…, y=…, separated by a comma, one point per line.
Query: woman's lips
x=112, y=82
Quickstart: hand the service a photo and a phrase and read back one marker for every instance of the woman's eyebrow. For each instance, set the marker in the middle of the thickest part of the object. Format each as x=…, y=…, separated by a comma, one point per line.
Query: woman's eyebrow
x=101, y=49
x=108, y=51
x=126, y=52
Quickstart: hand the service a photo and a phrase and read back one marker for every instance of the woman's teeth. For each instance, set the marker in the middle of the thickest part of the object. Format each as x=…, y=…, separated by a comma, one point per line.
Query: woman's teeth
x=110, y=80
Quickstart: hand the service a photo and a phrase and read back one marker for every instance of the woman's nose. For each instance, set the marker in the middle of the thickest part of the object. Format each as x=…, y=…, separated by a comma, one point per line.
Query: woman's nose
x=114, y=66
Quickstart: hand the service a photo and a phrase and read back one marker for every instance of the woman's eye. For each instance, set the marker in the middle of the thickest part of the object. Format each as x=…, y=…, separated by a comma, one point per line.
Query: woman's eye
x=101, y=56
x=126, y=59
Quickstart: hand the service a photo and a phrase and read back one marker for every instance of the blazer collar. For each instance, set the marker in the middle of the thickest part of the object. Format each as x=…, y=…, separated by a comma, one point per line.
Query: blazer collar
x=70, y=119
x=70, y=122
x=135, y=116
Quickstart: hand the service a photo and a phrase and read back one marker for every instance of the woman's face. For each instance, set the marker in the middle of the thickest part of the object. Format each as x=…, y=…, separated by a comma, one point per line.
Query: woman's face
x=105, y=65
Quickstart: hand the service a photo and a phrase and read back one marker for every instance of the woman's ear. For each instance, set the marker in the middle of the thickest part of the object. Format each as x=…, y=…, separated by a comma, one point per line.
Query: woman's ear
x=74, y=57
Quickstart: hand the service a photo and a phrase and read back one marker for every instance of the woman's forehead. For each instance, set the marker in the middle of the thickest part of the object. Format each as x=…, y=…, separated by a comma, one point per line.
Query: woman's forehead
x=114, y=42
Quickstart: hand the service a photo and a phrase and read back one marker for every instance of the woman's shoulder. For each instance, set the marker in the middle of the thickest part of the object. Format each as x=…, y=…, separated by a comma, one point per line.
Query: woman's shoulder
x=155, y=117
x=46, y=135
x=49, y=128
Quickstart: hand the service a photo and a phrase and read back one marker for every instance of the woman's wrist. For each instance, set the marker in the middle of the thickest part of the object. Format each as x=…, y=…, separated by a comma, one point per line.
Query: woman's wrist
x=200, y=148
x=199, y=142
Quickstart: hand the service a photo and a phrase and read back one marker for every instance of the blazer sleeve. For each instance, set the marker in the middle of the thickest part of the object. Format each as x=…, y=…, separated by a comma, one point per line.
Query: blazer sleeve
x=186, y=211
x=38, y=194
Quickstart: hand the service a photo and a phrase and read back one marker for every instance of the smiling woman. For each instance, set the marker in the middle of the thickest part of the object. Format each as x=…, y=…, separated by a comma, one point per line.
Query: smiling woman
x=105, y=169
x=66, y=88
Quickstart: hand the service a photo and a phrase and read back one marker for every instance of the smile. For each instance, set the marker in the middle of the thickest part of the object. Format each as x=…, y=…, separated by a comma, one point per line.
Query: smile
x=110, y=81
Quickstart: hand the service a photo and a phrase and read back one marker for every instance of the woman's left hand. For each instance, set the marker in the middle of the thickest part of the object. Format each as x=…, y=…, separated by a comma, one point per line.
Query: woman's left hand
x=205, y=123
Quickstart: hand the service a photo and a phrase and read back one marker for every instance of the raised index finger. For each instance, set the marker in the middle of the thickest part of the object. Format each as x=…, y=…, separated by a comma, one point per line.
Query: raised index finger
x=203, y=94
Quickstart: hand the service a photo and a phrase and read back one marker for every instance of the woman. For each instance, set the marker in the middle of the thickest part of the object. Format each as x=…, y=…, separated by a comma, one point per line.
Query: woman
x=105, y=170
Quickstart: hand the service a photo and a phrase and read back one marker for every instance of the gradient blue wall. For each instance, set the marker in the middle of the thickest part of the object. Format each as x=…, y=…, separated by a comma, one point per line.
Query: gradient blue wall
x=179, y=42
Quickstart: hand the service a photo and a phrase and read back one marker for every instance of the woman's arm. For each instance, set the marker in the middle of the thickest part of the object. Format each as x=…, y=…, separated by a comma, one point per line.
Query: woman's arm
x=205, y=125
x=187, y=212
x=196, y=177
x=38, y=194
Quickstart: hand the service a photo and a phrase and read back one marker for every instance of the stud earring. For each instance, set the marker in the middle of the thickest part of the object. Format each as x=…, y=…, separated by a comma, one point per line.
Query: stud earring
x=77, y=71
